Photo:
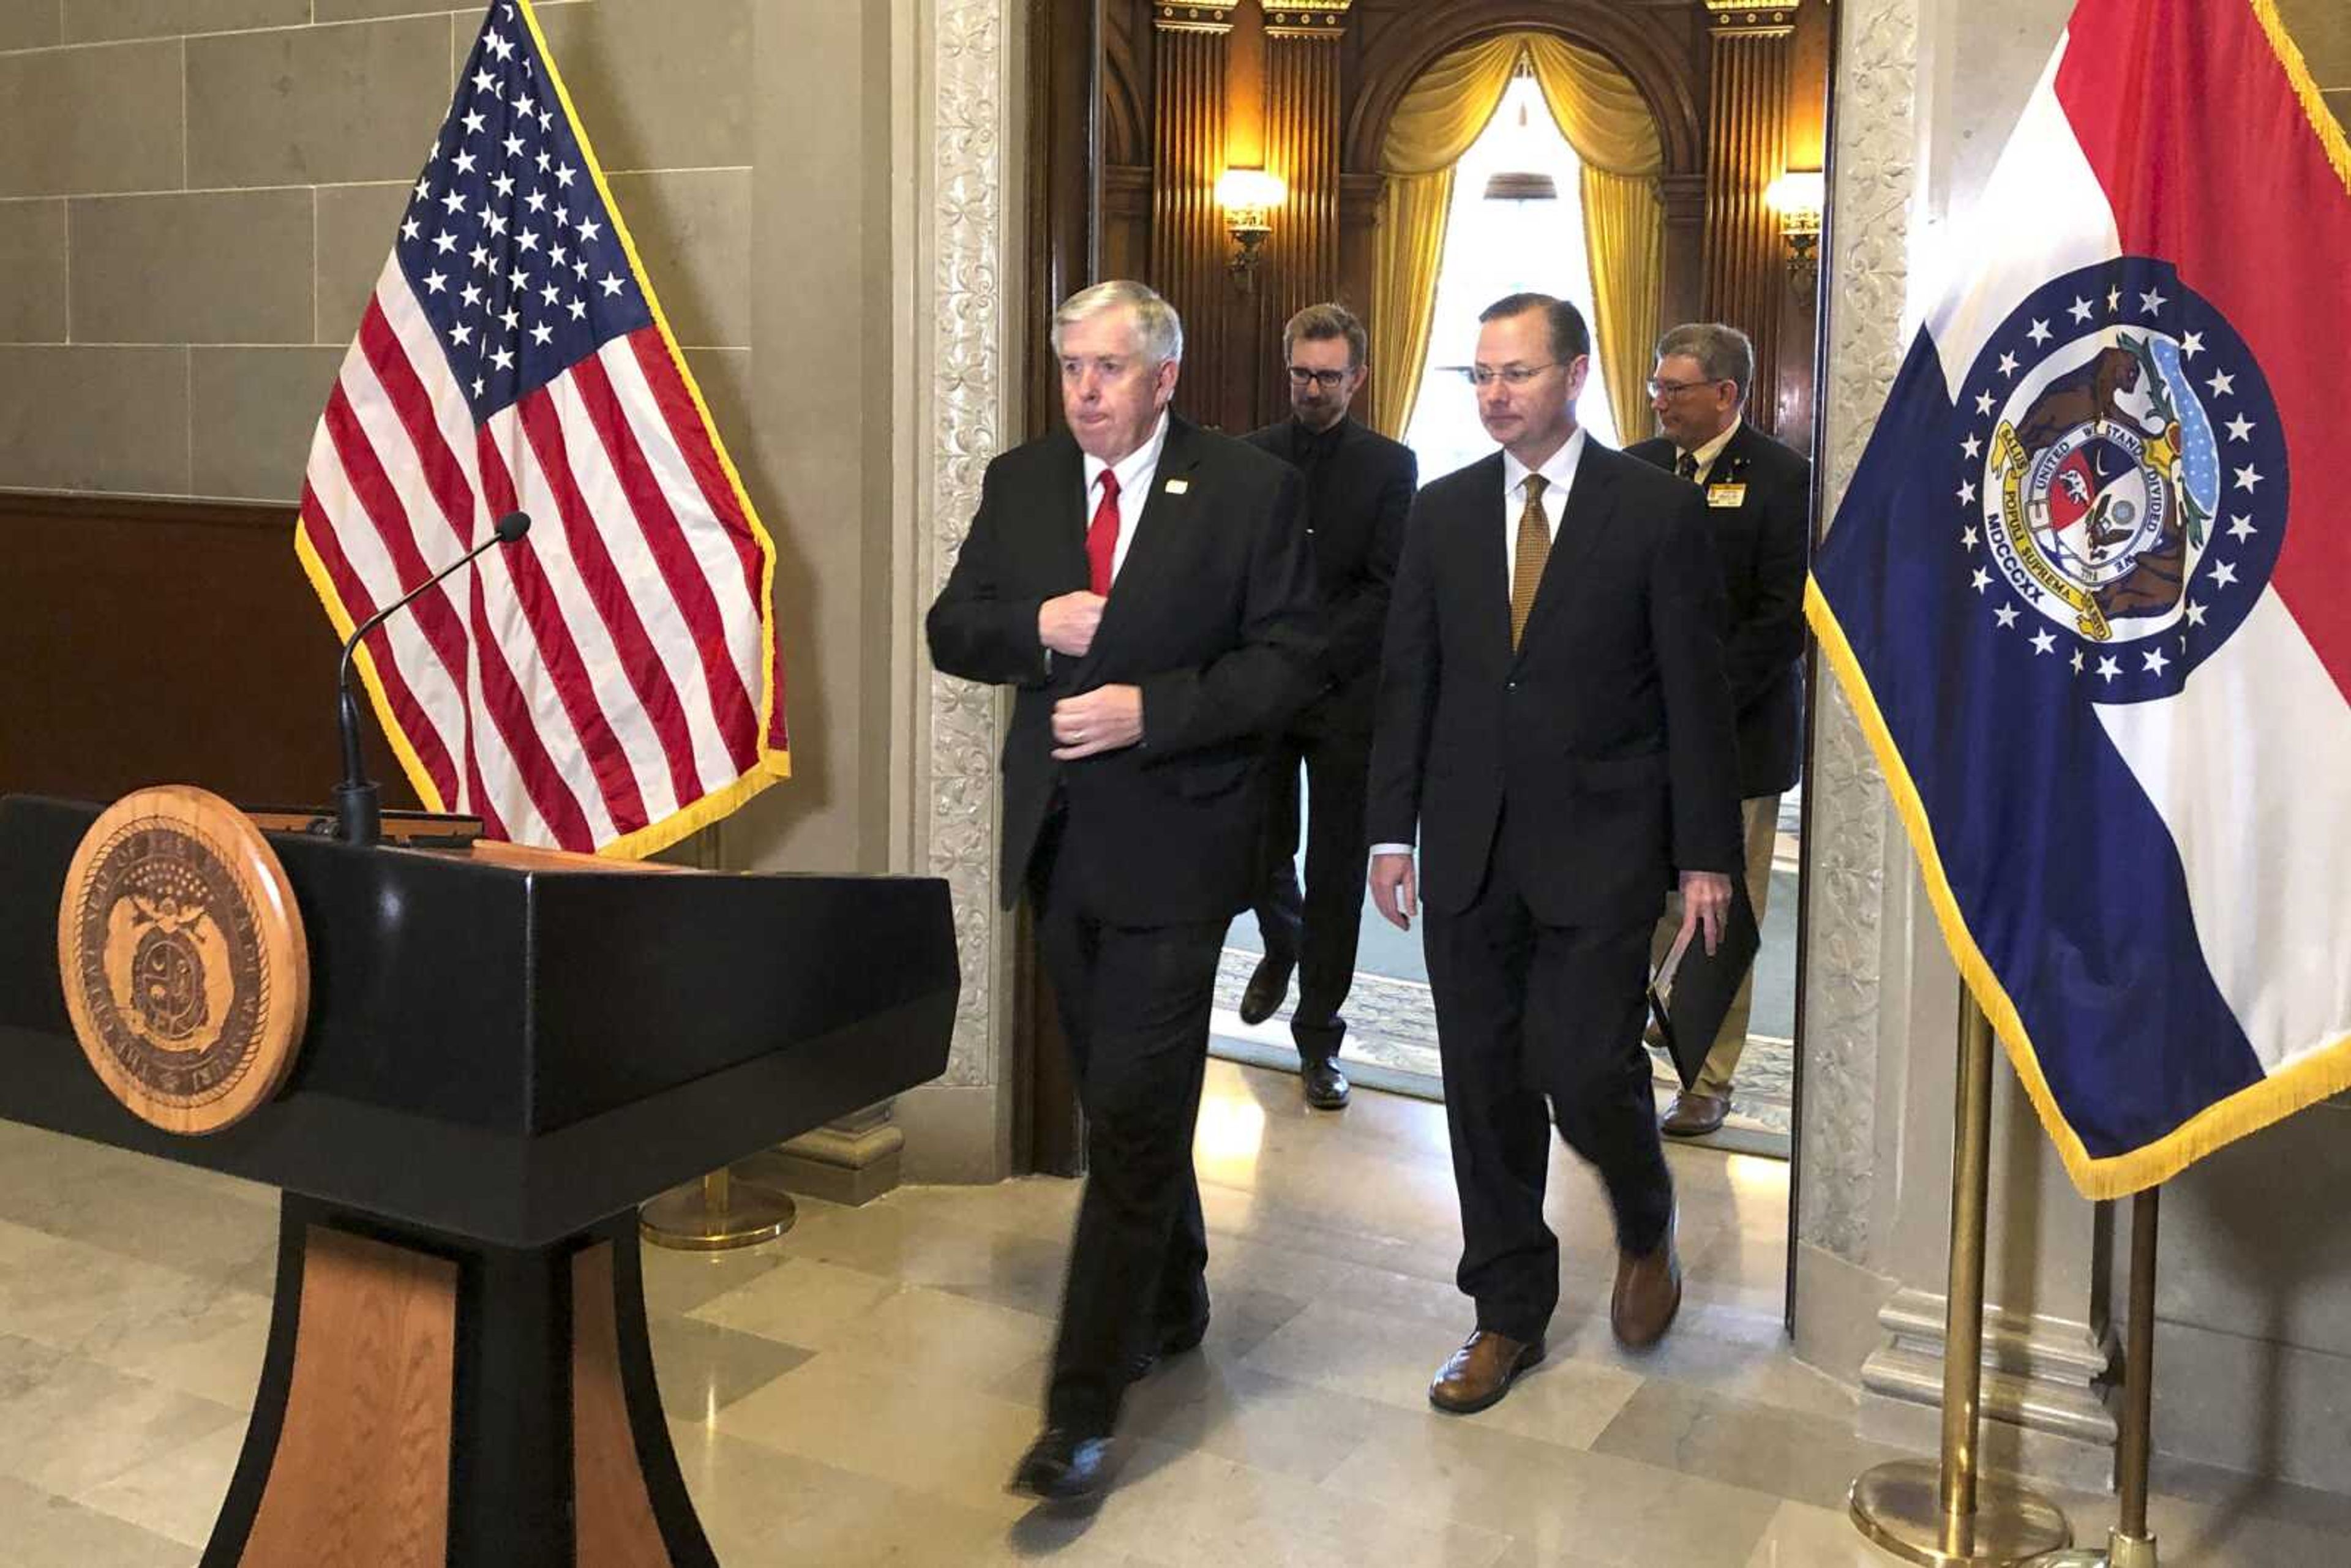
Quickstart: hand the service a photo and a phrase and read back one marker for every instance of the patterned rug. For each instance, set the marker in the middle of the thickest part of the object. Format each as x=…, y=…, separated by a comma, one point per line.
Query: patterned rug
x=1392, y=1028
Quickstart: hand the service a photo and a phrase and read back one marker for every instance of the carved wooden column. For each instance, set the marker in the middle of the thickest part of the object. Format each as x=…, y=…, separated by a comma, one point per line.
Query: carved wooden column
x=1684, y=286
x=1746, y=273
x=1301, y=148
x=1188, y=242
x=1064, y=235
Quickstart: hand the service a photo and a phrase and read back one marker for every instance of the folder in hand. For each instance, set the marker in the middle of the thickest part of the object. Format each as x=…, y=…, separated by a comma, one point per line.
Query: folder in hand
x=1691, y=993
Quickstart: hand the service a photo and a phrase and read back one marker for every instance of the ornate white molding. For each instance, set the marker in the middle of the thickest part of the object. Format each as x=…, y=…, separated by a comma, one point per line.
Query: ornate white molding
x=966, y=307
x=1876, y=172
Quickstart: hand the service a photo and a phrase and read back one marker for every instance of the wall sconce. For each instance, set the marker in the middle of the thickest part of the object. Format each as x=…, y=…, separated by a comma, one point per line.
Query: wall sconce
x=1248, y=197
x=1798, y=196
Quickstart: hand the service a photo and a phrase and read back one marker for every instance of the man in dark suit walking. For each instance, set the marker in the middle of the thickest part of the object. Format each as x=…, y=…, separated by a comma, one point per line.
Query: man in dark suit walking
x=1554, y=722
x=1144, y=587
x=1359, y=485
x=1759, y=498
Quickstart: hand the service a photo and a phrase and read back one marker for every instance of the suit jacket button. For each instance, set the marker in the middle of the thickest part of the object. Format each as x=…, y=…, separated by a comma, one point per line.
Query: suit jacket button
x=1511, y=685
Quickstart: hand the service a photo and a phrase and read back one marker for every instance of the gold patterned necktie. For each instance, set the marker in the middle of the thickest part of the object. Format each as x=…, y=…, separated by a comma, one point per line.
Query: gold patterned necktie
x=1534, y=550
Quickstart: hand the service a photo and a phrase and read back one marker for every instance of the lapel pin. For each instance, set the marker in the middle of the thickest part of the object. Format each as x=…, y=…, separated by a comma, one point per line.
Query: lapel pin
x=1178, y=487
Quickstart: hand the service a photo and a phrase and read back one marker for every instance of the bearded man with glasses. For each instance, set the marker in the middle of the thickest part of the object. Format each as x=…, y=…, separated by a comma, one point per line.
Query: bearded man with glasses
x=1359, y=486
x=1759, y=497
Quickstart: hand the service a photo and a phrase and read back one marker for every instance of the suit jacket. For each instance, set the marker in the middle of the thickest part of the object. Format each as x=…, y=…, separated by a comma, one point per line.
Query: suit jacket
x=1356, y=530
x=1761, y=545
x=1213, y=615
x=1607, y=733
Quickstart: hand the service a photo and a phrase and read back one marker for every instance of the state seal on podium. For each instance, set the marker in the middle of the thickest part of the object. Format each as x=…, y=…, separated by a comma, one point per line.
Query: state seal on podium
x=185, y=969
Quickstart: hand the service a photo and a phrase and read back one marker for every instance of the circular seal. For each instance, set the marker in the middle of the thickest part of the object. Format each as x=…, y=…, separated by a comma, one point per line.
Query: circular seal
x=186, y=972
x=2123, y=478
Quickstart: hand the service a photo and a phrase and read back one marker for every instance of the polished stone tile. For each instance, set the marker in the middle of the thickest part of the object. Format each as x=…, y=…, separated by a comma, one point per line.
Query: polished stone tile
x=1211, y=1406
x=1562, y=1401
x=41, y=1529
x=804, y=1301
x=703, y=1368
x=1560, y=1501
x=1179, y=1508
x=864, y=1414
x=680, y=1282
x=177, y=1494
x=48, y=1434
x=763, y=1507
x=1801, y=1535
x=1810, y=1458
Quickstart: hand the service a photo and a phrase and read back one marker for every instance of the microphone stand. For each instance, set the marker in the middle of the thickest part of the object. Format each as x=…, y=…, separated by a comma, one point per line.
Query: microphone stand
x=358, y=804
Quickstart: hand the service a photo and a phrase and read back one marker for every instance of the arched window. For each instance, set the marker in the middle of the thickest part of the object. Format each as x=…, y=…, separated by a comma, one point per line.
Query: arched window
x=1497, y=243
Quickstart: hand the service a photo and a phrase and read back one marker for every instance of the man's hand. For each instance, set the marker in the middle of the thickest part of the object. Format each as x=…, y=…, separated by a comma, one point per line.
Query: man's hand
x=1067, y=624
x=1104, y=720
x=1393, y=890
x=1706, y=903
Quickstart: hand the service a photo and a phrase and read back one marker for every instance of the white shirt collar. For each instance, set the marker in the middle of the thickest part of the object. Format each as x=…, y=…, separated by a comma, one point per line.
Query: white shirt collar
x=1558, y=469
x=1134, y=469
x=1713, y=449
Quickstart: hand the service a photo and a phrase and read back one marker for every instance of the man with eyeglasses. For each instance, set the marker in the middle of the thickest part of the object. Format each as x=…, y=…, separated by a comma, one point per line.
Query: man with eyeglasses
x=1759, y=498
x=1555, y=726
x=1359, y=486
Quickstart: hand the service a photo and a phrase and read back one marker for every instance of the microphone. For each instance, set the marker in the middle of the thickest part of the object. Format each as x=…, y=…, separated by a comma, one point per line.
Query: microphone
x=358, y=810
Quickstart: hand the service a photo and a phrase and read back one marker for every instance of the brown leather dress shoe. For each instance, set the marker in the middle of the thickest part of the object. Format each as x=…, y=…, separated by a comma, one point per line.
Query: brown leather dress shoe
x=1648, y=1293
x=1482, y=1372
x=1694, y=1116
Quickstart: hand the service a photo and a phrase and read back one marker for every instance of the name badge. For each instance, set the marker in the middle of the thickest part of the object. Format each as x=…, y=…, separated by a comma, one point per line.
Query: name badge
x=1178, y=487
x=1726, y=495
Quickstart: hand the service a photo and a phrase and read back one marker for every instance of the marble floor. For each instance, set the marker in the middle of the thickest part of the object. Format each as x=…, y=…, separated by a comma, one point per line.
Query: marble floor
x=857, y=1394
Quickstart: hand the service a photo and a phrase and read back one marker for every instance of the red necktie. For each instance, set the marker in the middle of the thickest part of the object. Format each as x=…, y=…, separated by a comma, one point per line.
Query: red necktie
x=1101, y=536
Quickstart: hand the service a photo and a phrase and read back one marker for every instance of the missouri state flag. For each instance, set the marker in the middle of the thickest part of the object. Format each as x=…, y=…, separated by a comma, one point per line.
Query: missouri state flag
x=611, y=681
x=2090, y=590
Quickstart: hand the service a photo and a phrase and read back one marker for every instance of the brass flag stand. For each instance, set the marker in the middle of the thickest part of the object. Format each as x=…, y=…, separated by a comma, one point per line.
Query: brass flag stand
x=716, y=1213
x=1947, y=1515
x=2130, y=1544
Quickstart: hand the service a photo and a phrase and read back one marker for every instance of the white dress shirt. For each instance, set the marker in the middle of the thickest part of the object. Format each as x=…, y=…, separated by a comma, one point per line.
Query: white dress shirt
x=1136, y=471
x=1559, y=474
x=1713, y=449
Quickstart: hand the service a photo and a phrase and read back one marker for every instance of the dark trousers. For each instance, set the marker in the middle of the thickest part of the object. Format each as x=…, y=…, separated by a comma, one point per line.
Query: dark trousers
x=1318, y=929
x=1135, y=1005
x=1527, y=1012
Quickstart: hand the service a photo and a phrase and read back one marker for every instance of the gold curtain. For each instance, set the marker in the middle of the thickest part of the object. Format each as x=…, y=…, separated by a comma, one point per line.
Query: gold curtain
x=1606, y=120
x=1436, y=123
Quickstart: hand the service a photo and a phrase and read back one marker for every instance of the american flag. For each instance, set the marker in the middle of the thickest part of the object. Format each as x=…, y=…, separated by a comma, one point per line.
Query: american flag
x=610, y=683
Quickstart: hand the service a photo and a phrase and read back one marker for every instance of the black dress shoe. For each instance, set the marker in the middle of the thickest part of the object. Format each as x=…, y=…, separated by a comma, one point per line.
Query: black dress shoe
x=1269, y=988
x=1064, y=1465
x=1172, y=1341
x=1326, y=1086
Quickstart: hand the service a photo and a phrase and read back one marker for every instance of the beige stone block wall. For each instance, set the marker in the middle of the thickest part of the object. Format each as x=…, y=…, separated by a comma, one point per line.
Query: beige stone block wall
x=197, y=197
x=2322, y=29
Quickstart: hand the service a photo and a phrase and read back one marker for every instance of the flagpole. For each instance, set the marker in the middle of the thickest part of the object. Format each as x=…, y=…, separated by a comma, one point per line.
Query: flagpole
x=717, y=1214
x=2130, y=1544
x=1949, y=1515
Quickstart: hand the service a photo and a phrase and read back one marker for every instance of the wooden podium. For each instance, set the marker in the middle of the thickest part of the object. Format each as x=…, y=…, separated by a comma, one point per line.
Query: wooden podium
x=506, y=1053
